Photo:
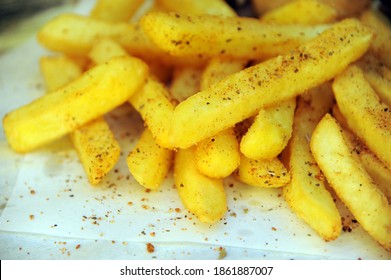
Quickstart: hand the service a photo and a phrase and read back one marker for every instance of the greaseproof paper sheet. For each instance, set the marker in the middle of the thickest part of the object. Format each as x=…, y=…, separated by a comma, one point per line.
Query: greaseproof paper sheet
x=52, y=196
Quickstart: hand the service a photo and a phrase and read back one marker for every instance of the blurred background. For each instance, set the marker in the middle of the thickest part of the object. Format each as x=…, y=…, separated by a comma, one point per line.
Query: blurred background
x=20, y=19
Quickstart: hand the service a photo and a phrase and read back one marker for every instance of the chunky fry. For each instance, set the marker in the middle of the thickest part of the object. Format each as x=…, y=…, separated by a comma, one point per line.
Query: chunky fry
x=95, y=93
x=97, y=148
x=243, y=94
x=270, y=132
x=76, y=35
x=306, y=194
x=208, y=35
x=148, y=162
x=262, y=173
x=201, y=195
x=152, y=101
x=350, y=181
x=365, y=114
x=376, y=169
x=308, y=12
x=218, y=156
x=154, y=104
x=115, y=10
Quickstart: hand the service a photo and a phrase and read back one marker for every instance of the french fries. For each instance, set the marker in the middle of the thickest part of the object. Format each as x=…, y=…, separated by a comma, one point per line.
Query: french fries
x=75, y=35
x=270, y=132
x=86, y=98
x=306, y=193
x=97, y=148
x=277, y=79
x=206, y=36
x=262, y=173
x=148, y=162
x=364, y=113
x=349, y=179
x=217, y=95
x=203, y=196
x=218, y=156
x=115, y=10
x=308, y=12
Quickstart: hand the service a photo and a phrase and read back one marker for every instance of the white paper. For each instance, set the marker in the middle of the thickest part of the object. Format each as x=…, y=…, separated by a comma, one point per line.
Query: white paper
x=52, y=196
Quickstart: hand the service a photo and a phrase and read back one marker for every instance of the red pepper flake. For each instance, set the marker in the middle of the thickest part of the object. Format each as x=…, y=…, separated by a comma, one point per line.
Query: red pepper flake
x=77, y=246
x=150, y=248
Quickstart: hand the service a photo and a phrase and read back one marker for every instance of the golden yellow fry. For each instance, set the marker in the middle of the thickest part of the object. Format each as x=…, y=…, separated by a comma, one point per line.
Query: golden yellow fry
x=376, y=169
x=185, y=82
x=95, y=93
x=381, y=44
x=115, y=10
x=54, y=77
x=107, y=48
x=203, y=196
x=148, y=162
x=154, y=104
x=199, y=7
x=270, y=132
x=97, y=148
x=366, y=116
x=272, y=127
x=378, y=75
x=244, y=93
x=306, y=193
x=351, y=182
x=218, y=156
x=152, y=101
x=262, y=173
x=308, y=12
x=94, y=142
x=208, y=36
x=76, y=35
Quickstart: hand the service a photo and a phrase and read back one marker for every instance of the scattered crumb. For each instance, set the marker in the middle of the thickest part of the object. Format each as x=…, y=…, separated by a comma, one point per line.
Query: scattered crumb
x=150, y=248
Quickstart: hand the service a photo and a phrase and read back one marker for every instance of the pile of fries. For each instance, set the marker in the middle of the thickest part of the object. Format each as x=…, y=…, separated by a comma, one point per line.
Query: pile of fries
x=297, y=99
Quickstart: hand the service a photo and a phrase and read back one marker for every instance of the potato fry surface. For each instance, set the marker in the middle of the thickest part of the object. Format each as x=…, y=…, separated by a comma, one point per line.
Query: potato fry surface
x=208, y=35
x=238, y=96
x=79, y=102
x=225, y=98
x=349, y=179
